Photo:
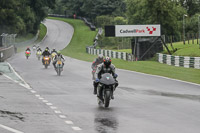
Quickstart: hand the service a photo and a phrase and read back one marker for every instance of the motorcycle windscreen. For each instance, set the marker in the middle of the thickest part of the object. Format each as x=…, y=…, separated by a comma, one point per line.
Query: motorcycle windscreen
x=107, y=79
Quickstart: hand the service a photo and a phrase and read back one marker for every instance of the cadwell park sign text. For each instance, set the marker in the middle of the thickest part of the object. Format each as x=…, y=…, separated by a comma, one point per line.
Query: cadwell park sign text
x=133, y=30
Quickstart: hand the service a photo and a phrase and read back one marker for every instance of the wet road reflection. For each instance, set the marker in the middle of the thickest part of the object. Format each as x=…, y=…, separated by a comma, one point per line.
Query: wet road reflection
x=164, y=94
x=105, y=121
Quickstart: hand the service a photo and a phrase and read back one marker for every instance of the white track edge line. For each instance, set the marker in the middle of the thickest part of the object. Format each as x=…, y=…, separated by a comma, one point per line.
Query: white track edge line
x=160, y=77
x=10, y=129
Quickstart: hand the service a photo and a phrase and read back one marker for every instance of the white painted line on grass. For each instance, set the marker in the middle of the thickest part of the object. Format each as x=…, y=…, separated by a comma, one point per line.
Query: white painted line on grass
x=62, y=116
x=10, y=129
x=76, y=128
x=69, y=122
x=52, y=107
x=57, y=112
x=49, y=104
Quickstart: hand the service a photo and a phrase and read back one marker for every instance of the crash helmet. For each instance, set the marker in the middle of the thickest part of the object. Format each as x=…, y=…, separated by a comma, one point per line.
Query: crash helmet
x=100, y=57
x=58, y=53
x=107, y=61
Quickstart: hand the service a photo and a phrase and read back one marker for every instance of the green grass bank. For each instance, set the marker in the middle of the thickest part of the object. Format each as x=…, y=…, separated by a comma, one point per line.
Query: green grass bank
x=83, y=37
x=42, y=33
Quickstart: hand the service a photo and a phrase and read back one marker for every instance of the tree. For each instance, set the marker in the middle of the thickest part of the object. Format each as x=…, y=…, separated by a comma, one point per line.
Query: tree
x=192, y=6
x=92, y=9
x=22, y=16
x=164, y=12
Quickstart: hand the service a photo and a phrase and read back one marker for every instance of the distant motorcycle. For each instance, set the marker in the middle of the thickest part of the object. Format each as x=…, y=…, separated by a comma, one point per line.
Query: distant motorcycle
x=34, y=48
x=39, y=54
x=46, y=61
x=59, y=67
x=27, y=54
x=105, y=90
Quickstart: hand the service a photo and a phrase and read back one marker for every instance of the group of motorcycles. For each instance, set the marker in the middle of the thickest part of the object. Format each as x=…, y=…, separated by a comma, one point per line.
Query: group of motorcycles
x=106, y=84
x=47, y=59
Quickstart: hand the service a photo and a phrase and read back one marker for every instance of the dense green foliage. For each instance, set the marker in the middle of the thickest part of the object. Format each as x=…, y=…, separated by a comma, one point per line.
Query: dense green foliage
x=168, y=13
x=23, y=16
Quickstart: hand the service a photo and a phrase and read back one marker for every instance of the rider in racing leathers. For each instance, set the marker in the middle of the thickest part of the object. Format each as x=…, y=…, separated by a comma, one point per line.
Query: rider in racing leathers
x=46, y=53
x=54, y=51
x=27, y=49
x=105, y=67
x=57, y=57
x=39, y=49
x=97, y=61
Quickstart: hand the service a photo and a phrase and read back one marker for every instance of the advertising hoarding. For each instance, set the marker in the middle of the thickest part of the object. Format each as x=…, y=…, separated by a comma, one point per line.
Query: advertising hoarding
x=137, y=30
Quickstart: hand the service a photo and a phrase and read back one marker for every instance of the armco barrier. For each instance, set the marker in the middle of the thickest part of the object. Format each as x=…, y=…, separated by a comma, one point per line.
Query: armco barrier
x=6, y=53
x=183, y=61
x=110, y=53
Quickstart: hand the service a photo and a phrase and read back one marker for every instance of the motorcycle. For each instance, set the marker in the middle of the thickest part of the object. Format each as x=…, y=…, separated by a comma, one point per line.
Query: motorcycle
x=27, y=54
x=59, y=67
x=46, y=61
x=34, y=48
x=53, y=55
x=105, y=89
x=38, y=54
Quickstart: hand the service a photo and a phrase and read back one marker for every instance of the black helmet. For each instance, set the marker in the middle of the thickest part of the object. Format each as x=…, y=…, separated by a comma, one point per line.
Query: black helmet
x=107, y=61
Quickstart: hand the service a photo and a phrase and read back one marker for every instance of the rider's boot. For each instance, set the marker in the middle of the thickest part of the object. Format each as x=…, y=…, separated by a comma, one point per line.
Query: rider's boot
x=95, y=91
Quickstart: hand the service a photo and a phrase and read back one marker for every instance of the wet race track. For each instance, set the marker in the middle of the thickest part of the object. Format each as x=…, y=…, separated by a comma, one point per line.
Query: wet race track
x=65, y=104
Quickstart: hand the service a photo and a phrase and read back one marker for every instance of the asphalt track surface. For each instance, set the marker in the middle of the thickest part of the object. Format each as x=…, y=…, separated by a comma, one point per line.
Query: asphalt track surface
x=142, y=104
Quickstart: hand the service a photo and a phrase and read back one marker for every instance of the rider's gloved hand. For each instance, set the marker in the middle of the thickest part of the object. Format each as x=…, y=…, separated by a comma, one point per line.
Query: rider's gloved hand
x=97, y=80
x=115, y=75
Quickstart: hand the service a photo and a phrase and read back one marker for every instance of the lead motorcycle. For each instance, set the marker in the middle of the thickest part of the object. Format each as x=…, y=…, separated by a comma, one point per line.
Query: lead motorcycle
x=105, y=89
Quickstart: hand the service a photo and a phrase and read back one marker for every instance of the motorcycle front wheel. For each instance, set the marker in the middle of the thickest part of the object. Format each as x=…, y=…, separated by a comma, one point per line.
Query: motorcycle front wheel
x=107, y=99
x=58, y=71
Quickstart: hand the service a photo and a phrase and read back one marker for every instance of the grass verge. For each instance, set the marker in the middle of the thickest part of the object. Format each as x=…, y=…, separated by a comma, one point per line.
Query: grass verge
x=24, y=38
x=43, y=32
x=84, y=37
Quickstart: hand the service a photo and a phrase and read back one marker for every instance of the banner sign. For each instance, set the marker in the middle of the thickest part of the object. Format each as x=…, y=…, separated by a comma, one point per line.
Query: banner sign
x=137, y=30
